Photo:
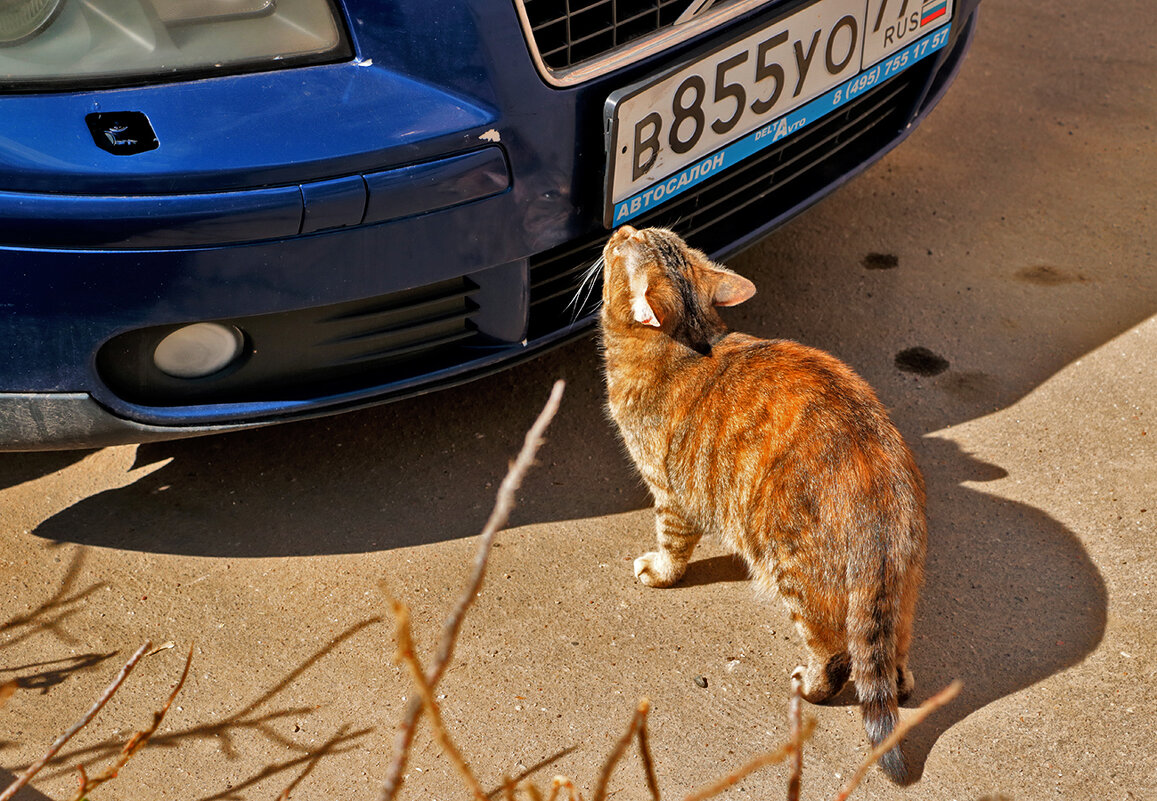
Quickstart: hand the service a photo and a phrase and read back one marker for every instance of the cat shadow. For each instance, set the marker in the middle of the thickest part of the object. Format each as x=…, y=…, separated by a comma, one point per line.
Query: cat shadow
x=728, y=568
x=1010, y=596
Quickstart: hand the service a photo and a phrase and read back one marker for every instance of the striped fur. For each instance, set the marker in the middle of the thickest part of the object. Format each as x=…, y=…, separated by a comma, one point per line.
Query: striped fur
x=780, y=450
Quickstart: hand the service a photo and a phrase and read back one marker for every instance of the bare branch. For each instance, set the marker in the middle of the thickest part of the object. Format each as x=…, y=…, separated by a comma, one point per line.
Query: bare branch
x=35, y=767
x=648, y=762
x=407, y=656
x=138, y=740
x=902, y=728
x=498, y=517
x=637, y=720
x=794, y=721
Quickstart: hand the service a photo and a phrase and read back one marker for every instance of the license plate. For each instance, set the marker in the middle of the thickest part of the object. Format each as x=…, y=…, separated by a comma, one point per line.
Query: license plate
x=669, y=133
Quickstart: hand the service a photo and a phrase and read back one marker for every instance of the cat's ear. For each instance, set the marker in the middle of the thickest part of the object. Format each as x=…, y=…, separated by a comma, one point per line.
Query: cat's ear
x=643, y=312
x=731, y=288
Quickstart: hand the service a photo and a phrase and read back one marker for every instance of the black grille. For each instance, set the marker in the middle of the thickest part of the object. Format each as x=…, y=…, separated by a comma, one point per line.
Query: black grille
x=743, y=199
x=310, y=353
x=567, y=32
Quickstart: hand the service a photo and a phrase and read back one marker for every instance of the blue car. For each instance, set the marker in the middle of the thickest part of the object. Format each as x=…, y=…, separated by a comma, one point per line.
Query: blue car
x=225, y=213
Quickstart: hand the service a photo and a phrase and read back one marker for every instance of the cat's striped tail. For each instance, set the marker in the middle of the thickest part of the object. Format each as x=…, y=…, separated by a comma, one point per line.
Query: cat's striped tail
x=872, y=646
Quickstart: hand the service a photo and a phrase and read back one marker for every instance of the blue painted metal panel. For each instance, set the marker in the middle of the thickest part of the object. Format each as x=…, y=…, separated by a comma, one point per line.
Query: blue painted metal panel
x=149, y=221
x=432, y=185
x=94, y=243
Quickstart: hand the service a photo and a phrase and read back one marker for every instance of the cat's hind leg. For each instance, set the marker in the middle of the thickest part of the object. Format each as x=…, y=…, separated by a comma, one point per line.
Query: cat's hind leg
x=905, y=681
x=677, y=539
x=828, y=664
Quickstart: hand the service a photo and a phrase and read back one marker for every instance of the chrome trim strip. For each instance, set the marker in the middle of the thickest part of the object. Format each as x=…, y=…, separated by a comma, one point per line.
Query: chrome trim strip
x=634, y=51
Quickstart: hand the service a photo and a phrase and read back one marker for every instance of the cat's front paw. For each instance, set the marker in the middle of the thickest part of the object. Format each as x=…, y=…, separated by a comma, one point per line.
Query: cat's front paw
x=655, y=569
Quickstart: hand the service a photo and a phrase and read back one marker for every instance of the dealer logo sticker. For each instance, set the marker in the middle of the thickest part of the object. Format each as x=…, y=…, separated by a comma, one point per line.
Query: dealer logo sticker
x=122, y=133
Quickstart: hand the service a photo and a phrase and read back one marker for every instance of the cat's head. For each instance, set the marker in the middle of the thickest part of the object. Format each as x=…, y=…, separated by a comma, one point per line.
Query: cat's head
x=653, y=278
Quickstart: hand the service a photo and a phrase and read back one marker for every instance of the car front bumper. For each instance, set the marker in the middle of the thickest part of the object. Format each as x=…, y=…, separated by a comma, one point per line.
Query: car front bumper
x=378, y=272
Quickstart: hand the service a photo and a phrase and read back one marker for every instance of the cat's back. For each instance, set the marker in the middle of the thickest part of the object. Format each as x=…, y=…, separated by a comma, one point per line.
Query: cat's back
x=776, y=382
x=758, y=410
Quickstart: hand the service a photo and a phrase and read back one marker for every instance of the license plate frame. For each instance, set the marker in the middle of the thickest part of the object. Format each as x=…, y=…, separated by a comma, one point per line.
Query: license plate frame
x=751, y=92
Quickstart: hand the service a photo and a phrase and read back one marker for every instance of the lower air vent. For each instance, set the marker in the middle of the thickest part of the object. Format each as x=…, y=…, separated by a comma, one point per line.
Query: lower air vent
x=307, y=354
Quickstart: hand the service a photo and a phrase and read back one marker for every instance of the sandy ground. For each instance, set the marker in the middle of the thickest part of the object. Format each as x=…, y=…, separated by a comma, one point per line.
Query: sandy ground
x=1021, y=218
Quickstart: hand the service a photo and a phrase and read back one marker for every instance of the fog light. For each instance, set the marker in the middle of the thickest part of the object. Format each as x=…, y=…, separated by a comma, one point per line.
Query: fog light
x=198, y=350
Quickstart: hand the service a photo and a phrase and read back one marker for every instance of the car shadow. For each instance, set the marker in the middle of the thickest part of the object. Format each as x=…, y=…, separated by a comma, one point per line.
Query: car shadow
x=414, y=472
x=18, y=468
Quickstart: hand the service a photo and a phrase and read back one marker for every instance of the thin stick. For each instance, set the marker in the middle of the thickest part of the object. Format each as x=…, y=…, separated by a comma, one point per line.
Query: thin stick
x=498, y=517
x=902, y=728
x=648, y=762
x=637, y=720
x=35, y=767
x=795, y=726
x=409, y=658
x=137, y=741
x=772, y=758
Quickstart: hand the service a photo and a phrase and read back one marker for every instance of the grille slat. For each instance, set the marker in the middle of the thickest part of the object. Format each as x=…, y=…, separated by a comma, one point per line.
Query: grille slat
x=404, y=336
x=753, y=188
x=426, y=345
x=567, y=33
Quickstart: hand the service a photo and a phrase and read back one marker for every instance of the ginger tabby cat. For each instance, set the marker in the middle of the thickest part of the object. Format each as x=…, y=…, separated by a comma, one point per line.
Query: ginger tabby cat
x=779, y=450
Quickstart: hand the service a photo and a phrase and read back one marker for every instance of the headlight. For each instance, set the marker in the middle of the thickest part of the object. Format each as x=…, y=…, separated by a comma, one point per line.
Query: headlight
x=72, y=43
x=23, y=19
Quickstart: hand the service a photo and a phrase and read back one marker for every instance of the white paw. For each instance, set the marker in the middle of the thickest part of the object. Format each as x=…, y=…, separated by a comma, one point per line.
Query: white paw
x=655, y=570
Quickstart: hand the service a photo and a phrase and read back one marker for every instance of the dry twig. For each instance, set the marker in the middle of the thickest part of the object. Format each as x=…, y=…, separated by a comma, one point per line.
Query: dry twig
x=638, y=724
x=795, y=726
x=498, y=517
x=648, y=762
x=35, y=767
x=137, y=741
x=425, y=681
x=407, y=657
x=902, y=728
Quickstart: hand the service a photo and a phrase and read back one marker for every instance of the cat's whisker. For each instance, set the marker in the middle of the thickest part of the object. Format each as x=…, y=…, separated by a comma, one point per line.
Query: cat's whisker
x=587, y=282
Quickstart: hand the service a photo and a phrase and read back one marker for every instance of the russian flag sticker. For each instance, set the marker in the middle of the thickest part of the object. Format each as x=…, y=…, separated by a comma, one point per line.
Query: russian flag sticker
x=932, y=10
